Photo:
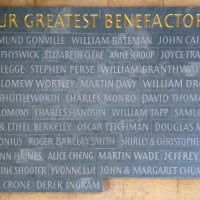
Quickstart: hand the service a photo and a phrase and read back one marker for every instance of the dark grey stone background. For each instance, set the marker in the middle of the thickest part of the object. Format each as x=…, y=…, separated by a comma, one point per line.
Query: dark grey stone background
x=71, y=157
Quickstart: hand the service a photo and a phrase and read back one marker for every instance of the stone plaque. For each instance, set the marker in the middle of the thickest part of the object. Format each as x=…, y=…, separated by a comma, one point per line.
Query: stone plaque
x=94, y=93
